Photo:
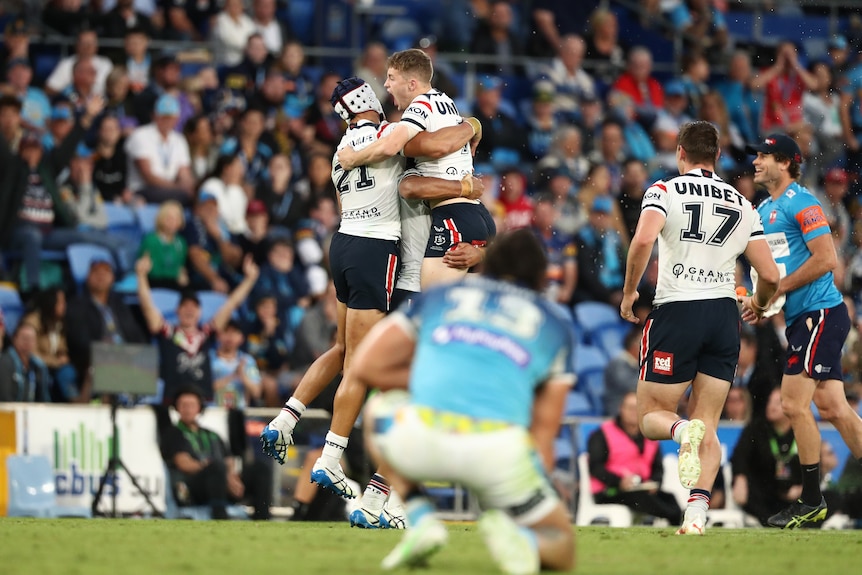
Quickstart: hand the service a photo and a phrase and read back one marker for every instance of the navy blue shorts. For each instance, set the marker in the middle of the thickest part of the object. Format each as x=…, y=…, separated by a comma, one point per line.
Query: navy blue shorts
x=682, y=339
x=453, y=224
x=363, y=271
x=403, y=297
x=814, y=342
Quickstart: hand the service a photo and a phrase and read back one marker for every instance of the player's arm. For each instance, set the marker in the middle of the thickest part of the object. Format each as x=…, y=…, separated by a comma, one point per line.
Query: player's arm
x=385, y=147
x=760, y=257
x=444, y=141
x=383, y=358
x=649, y=227
x=427, y=188
x=547, y=413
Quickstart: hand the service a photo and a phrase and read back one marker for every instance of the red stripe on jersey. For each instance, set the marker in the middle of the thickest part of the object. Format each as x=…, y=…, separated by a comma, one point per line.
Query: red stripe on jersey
x=391, y=267
x=426, y=104
x=380, y=131
x=454, y=234
x=644, y=349
x=661, y=187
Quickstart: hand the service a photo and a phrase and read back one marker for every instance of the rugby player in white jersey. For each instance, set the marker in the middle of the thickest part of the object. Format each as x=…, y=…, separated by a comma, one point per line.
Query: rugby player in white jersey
x=364, y=261
x=691, y=337
x=453, y=221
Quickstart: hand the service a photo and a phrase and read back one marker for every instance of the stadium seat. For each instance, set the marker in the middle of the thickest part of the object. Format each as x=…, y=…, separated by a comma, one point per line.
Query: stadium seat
x=12, y=306
x=81, y=255
x=590, y=362
x=610, y=338
x=123, y=222
x=578, y=403
x=211, y=301
x=147, y=217
x=592, y=316
x=166, y=301
x=589, y=512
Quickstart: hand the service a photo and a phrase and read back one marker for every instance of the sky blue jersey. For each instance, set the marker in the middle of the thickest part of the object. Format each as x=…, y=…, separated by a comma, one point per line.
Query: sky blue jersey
x=788, y=222
x=484, y=346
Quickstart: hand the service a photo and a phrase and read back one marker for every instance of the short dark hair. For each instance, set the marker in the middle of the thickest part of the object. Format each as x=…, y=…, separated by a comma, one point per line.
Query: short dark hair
x=9, y=101
x=190, y=389
x=794, y=168
x=517, y=257
x=699, y=139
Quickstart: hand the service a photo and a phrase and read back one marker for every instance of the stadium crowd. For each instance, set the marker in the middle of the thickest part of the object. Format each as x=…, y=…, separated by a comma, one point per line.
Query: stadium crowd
x=202, y=158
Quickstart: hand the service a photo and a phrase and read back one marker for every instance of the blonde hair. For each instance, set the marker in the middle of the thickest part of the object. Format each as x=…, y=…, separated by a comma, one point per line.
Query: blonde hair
x=413, y=63
x=164, y=209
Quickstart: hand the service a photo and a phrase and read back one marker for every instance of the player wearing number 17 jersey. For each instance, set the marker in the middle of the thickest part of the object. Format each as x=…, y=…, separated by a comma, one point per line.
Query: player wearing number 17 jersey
x=691, y=337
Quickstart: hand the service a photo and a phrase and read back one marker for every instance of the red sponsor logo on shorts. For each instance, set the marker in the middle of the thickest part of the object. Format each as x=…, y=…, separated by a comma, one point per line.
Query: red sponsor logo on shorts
x=662, y=362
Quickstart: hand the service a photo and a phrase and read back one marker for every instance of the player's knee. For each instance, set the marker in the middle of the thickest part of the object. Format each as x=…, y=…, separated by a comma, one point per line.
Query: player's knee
x=793, y=407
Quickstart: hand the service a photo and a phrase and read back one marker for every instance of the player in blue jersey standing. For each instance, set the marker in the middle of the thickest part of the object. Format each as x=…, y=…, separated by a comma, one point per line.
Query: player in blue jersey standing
x=490, y=372
x=816, y=317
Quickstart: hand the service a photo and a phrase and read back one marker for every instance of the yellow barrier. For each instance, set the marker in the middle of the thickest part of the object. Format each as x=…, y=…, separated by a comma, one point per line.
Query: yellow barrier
x=7, y=448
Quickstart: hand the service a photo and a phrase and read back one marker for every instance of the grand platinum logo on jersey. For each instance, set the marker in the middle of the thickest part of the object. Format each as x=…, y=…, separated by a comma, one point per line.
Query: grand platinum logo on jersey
x=701, y=275
x=363, y=214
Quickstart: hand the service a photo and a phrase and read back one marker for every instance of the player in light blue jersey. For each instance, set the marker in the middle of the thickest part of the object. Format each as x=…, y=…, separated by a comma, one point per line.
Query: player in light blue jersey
x=486, y=362
x=817, y=319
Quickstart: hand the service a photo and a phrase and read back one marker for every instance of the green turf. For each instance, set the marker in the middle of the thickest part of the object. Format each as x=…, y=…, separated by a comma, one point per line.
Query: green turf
x=129, y=547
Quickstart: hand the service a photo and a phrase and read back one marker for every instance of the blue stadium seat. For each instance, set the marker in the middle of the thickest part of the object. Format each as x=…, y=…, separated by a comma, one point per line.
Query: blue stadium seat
x=147, y=217
x=589, y=364
x=593, y=316
x=81, y=255
x=211, y=301
x=578, y=404
x=12, y=306
x=123, y=223
x=610, y=338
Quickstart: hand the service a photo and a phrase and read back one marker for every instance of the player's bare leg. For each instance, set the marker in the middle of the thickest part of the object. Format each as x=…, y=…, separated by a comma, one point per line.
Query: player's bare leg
x=435, y=272
x=833, y=407
x=349, y=399
x=279, y=433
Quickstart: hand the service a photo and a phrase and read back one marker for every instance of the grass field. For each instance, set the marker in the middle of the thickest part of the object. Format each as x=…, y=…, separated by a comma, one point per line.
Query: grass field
x=130, y=547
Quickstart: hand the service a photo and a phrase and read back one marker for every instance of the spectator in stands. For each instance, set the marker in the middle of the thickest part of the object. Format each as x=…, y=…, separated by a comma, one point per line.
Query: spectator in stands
x=256, y=239
x=633, y=184
x=559, y=248
x=610, y=152
x=225, y=183
x=270, y=100
x=136, y=59
x=372, y=67
x=553, y=19
x=86, y=48
x=273, y=32
x=597, y=185
x=766, y=470
x=51, y=347
x=821, y=109
x=571, y=81
x=627, y=468
x=590, y=122
x=98, y=314
x=80, y=195
x=109, y=165
x=503, y=140
x=212, y=255
x=603, y=49
x=68, y=17
x=328, y=125
x=83, y=86
x=702, y=24
x=159, y=165
x=270, y=342
x=737, y=406
x=280, y=277
x=202, y=150
x=299, y=83
x=495, y=37
x=202, y=470
x=783, y=84
x=838, y=53
x=517, y=206
x=285, y=205
x=166, y=79
x=60, y=124
x=184, y=347
x=23, y=376
x=637, y=141
x=167, y=249
x=188, y=20
x=16, y=41
x=121, y=101
x=621, y=372
x=252, y=148
x=319, y=170
x=236, y=379
x=714, y=110
x=542, y=120
x=557, y=182
x=638, y=83
x=230, y=33
x=36, y=108
x=740, y=96
x=832, y=197
x=601, y=256
x=123, y=18
x=246, y=77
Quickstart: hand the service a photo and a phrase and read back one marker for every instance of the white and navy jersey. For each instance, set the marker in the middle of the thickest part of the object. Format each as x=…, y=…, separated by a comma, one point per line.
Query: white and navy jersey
x=369, y=194
x=415, y=223
x=708, y=225
x=430, y=112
